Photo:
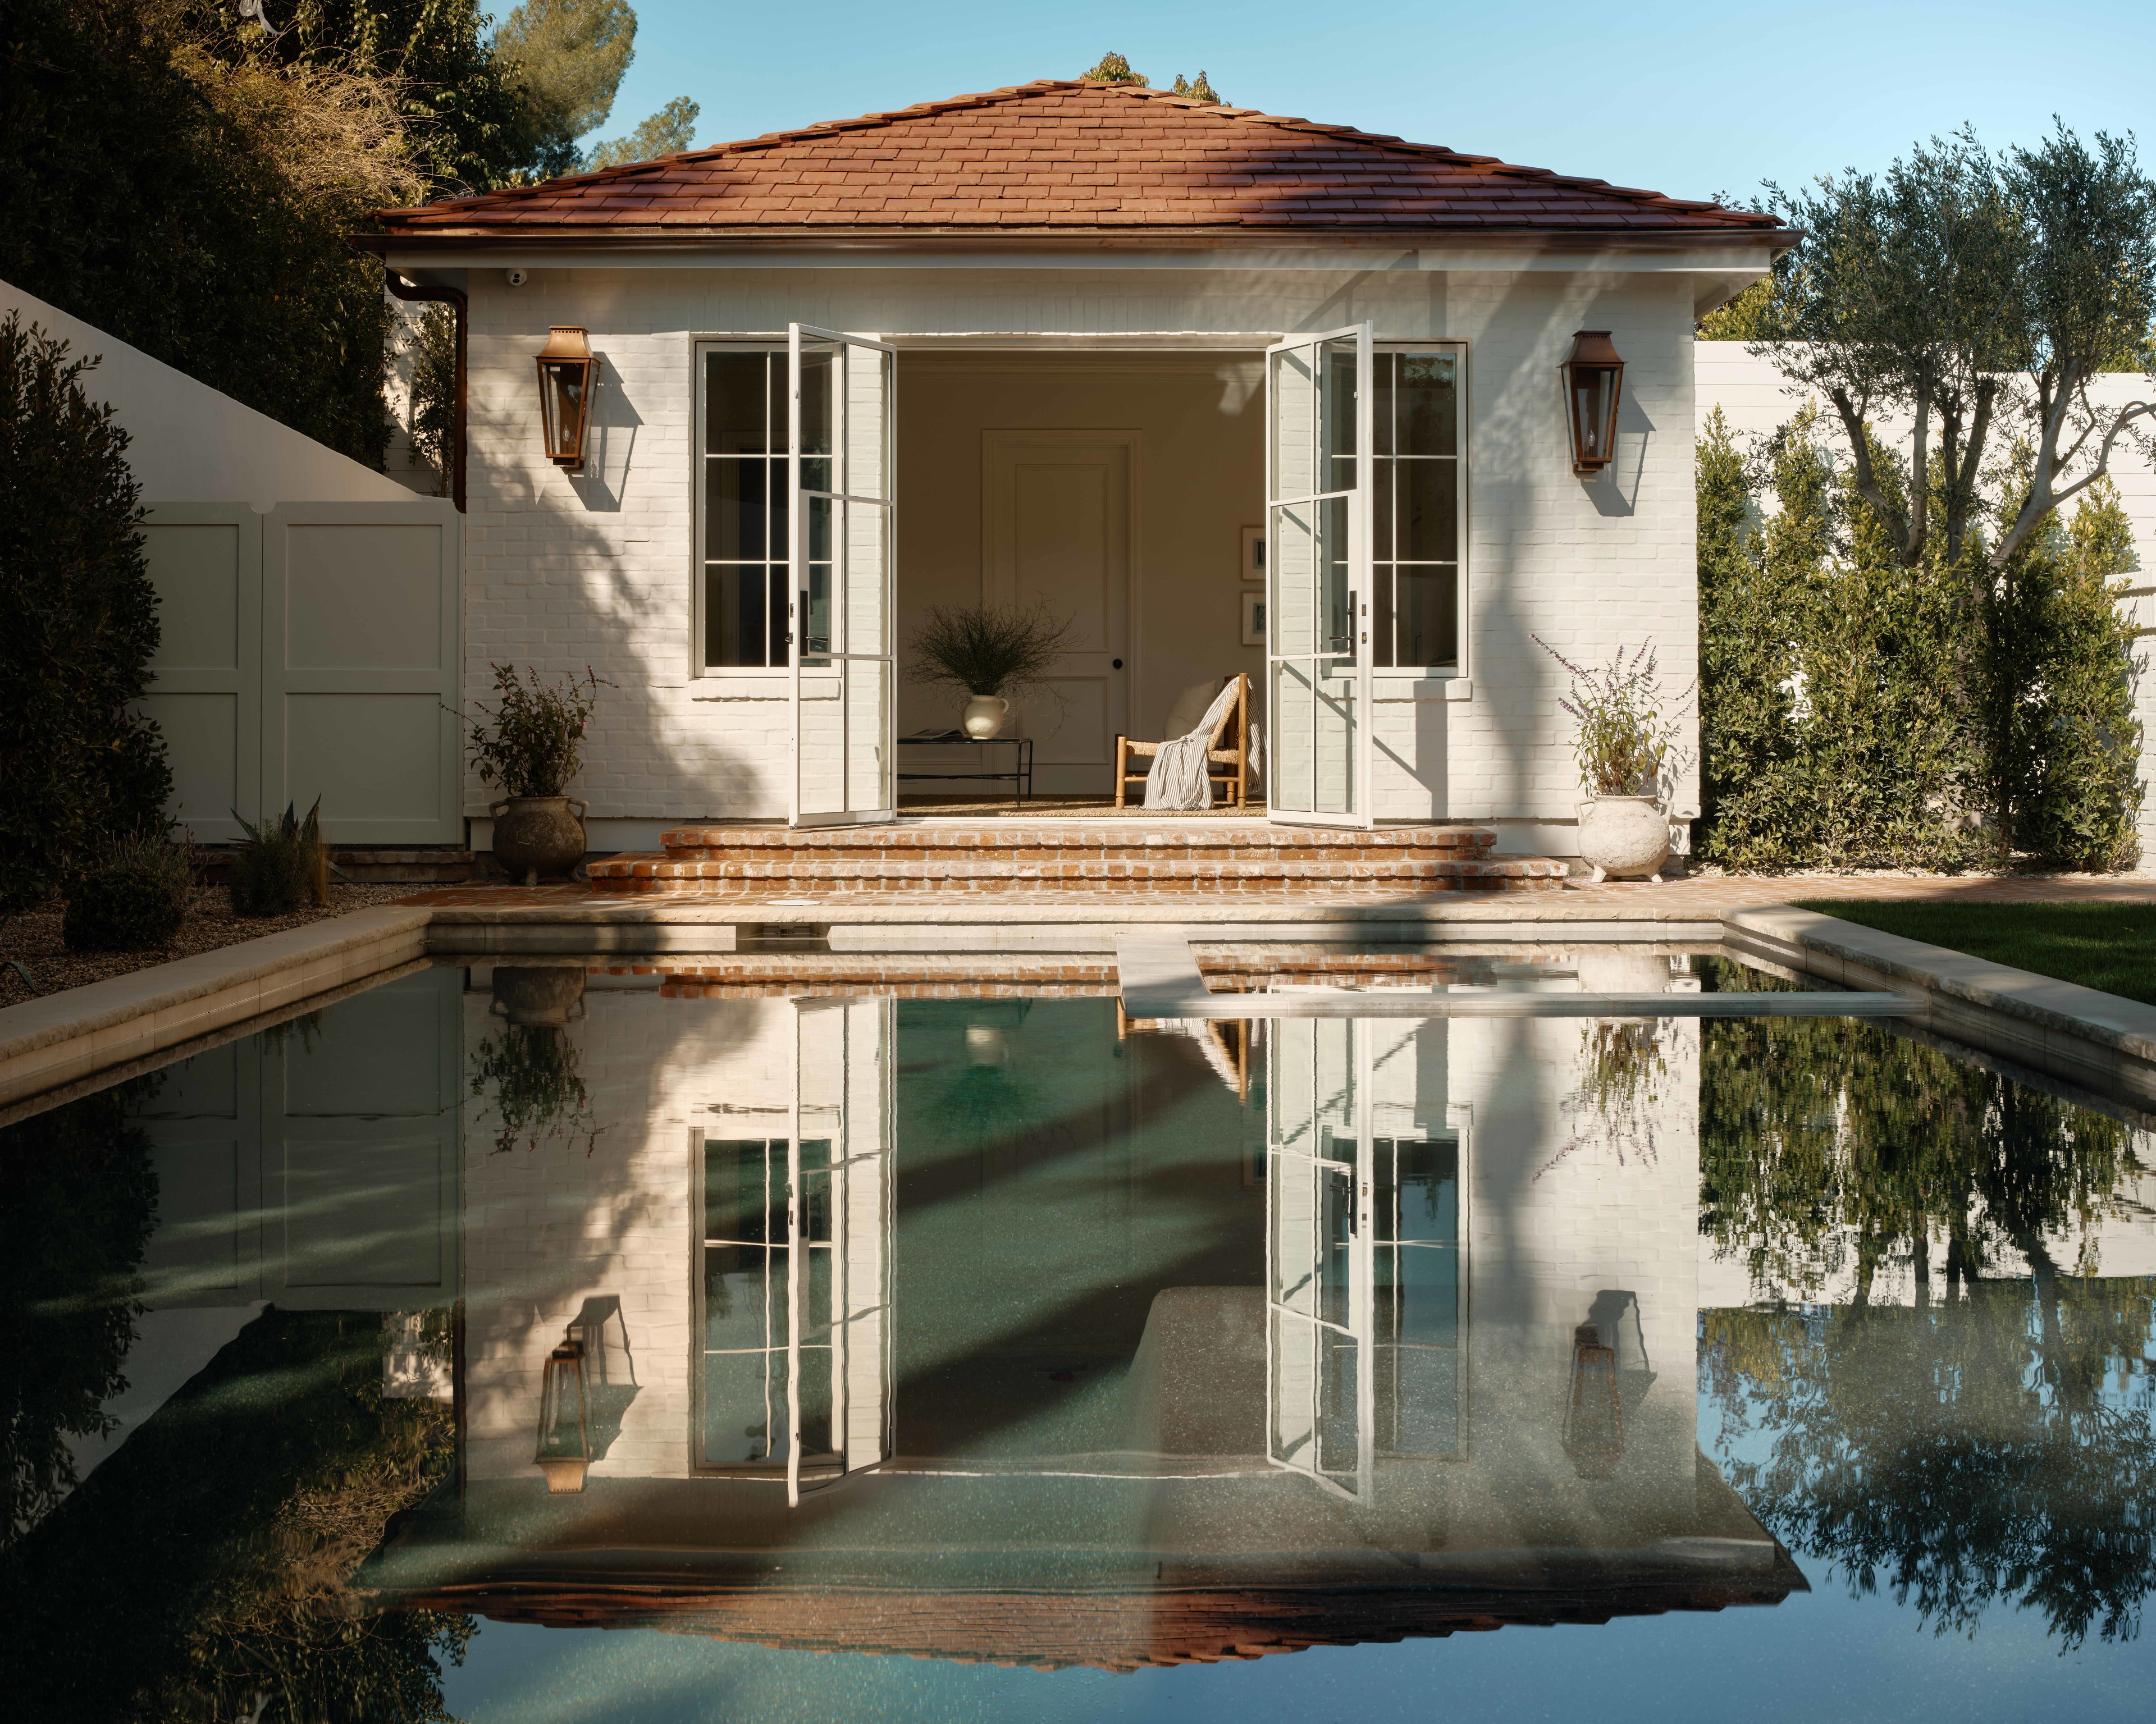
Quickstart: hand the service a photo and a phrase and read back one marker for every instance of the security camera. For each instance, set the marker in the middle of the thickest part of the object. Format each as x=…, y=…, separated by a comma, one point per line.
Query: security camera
x=517, y=278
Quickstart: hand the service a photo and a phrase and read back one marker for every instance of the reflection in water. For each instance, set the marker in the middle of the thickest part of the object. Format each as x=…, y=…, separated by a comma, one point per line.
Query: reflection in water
x=1970, y=1420
x=1014, y=1330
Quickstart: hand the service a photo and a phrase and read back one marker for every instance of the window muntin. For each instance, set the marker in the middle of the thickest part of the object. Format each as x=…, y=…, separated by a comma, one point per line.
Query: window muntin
x=744, y=512
x=748, y=1341
x=1415, y=588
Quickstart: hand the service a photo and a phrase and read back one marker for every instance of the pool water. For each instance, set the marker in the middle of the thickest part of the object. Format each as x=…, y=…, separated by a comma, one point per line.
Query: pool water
x=985, y=1353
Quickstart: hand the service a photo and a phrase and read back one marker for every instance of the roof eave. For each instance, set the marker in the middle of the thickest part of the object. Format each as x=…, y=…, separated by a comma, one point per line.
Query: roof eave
x=525, y=235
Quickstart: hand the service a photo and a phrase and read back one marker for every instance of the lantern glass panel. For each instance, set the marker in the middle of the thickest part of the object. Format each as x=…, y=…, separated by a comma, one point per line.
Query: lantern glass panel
x=565, y=397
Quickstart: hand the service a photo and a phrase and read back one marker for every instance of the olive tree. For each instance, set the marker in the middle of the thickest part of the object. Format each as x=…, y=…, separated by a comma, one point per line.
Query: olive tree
x=1974, y=297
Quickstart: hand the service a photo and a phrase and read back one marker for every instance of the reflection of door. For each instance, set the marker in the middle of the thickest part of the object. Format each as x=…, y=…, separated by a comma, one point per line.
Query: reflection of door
x=793, y=1300
x=1364, y=1289
x=1056, y=530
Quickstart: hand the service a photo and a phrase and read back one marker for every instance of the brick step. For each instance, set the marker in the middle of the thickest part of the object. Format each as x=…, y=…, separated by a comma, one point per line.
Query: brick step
x=1134, y=838
x=650, y=873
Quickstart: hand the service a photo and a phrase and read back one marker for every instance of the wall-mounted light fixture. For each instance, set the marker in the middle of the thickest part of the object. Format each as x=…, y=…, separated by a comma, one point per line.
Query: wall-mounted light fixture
x=568, y=377
x=565, y=1434
x=1593, y=375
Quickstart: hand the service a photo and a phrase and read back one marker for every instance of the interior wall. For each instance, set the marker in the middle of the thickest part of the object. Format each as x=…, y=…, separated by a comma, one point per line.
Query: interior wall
x=1200, y=480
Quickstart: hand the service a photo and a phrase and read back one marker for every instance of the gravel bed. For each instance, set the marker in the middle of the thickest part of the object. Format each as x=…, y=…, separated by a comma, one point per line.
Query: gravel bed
x=34, y=940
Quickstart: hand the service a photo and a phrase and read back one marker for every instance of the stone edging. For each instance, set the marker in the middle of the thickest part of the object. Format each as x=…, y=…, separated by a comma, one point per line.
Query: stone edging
x=49, y=1042
x=2056, y=1027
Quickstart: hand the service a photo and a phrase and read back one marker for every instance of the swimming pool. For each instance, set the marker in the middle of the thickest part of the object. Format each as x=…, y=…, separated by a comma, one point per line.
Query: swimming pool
x=1309, y=1366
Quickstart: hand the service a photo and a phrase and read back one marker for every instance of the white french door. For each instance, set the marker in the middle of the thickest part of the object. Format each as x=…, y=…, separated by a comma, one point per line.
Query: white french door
x=1318, y=492
x=840, y=391
x=1319, y=1229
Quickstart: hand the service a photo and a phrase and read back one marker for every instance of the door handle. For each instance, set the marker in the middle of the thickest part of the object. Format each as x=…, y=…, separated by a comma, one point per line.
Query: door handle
x=1115, y=664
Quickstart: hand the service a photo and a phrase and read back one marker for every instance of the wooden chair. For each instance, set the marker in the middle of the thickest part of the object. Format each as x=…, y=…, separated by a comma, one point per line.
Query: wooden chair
x=1227, y=755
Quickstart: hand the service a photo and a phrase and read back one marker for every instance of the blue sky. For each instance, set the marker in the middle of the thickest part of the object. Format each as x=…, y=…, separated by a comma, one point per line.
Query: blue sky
x=1673, y=96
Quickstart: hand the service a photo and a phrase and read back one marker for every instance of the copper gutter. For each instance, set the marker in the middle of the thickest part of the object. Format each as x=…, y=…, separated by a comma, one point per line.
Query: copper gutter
x=413, y=293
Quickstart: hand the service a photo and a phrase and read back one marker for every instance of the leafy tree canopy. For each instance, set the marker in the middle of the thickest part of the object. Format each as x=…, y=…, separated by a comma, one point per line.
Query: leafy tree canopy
x=1114, y=69
x=671, y=130
x=1976, y=296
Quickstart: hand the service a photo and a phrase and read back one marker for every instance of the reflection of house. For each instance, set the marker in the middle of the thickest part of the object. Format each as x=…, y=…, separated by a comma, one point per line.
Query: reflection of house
x=1100, y=1367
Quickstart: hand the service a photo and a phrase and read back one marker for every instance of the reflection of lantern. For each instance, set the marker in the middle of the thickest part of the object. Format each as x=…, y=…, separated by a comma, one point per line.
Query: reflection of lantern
x=568, y=377
x=1592, y=377
x=565, y=1439
x=1594, y=1414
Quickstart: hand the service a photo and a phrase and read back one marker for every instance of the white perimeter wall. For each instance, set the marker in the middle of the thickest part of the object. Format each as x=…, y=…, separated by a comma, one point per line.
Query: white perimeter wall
x=566, y=570
x=188, y=443
x=1756, y=399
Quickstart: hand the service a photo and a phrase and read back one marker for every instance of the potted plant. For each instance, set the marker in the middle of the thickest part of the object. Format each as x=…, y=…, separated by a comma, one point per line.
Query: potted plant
x=990, y=653
x=1626, y=746
x=531, y=745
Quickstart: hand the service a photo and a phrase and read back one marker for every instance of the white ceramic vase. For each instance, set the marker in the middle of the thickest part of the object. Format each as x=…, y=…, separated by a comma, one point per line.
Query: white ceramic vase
x=1624, y=836
x=985, y=715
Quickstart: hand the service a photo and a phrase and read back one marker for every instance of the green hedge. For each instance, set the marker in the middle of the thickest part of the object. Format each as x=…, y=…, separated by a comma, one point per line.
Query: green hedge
x=78, y=626
x=1855, y=713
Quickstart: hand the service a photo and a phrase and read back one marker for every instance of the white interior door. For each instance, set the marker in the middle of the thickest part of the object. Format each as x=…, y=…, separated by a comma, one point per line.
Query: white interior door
x=1318, y=487
x=1057, y=531
x=840, y=397
x=1319, y=1307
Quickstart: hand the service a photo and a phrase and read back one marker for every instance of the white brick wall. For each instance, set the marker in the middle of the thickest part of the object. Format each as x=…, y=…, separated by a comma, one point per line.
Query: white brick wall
x=565, y=570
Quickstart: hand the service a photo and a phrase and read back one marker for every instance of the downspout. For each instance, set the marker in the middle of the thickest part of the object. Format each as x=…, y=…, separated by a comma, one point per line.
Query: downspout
x=412, y=293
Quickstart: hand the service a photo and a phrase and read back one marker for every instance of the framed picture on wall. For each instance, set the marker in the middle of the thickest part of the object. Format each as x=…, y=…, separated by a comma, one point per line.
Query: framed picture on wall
x=1254, y=620
x=1254, y=553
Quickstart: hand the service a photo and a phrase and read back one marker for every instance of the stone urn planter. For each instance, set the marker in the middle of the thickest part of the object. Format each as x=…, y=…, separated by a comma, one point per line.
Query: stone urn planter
x=1624, y=836
x=538, y=996
x=537, y=836
x=984, y=715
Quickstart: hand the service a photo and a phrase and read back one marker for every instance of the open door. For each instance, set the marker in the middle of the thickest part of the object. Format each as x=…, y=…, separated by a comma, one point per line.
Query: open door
x=1318, y=491
x=840, y=391
x=1319, y=1308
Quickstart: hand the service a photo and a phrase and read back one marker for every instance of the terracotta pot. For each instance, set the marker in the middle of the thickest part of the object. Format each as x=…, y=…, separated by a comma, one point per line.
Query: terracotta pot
x=1624, y=836
x=985, y=715
x=538, y=995
x=538, y=835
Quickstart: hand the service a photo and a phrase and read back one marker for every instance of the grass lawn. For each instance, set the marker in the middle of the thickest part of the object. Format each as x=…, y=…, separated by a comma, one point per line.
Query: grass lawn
x=2111, y=947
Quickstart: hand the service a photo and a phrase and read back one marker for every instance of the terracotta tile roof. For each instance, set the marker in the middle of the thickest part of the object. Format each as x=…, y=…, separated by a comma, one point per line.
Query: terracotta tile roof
x=1062, y=156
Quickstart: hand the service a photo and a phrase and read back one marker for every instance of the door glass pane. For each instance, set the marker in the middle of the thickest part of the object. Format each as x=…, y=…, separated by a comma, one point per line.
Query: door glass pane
x=868, y=689
x=1337, y=467
x=1332, y=740
x=1294, y=707
x=1292, y=620
x=867, y=396
x=1339, y=1402
x=1428, y=511
x=1294, y=423
x=819, y=372
x=1336, y=602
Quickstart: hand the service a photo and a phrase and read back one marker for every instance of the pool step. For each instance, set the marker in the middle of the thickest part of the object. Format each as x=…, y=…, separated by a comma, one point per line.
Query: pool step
x=1010, y=856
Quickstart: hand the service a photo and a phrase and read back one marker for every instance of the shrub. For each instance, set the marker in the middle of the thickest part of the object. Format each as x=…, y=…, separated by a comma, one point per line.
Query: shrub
x=1837, y=728
x=532, y=742
x=1626, y=742
x=277, y=868
x=2065, y=742
x=78, y=626
x=134, y=899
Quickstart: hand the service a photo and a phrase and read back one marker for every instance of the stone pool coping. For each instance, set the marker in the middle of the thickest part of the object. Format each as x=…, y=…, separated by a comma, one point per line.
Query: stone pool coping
x=50, y=1044
x=2060, y=1027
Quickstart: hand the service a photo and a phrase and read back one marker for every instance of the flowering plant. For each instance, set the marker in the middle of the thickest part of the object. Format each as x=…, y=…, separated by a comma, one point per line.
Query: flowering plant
x=1627, y=741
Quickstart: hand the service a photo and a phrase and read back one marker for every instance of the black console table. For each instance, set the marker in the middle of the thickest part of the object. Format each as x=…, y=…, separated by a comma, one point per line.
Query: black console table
x=1020, y=774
